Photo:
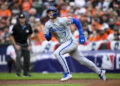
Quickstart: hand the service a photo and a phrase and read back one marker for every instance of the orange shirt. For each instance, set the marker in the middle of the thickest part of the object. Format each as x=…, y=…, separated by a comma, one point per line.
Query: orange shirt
x=53, y=38
x=36, y=38
x=94, y=13
x=64, y=13
x=92, y=38
x=26, y=6
x=41, y=35
x=118, y=23
x=5, y=13
x=0, y=33
x=96, y=25
x=110, y=31
x=20, y=1
x=101, y=37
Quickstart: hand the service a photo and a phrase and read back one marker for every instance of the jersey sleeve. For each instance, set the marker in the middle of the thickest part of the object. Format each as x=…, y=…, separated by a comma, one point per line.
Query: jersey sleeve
x=30, y=30
x=67, y=20
x=46, y=29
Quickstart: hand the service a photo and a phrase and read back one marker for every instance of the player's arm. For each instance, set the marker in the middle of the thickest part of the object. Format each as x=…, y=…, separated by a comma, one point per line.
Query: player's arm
x=48, y=36
x=79, y=26
x=14, y=43
x=11, y=32
x=47, y=32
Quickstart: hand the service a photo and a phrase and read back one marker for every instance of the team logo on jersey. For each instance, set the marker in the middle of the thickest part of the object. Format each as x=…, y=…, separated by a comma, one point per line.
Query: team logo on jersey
x=58, y=29
x=27, y=31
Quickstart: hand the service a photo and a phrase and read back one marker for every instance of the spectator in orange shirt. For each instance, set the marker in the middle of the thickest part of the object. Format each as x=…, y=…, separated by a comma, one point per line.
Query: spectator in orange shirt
x=72, y=26
x=93, y=37
x=109, y=31
x=72, y=14
x=26, y=5
x=38, y=35
x=41, y=28
x=4, y=11
x=96, y=26
x=35, y=36
x=63, y=10
x=101, y=36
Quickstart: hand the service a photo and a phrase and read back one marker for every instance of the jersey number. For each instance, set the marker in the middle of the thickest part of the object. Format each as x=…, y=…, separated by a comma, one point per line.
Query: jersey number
x=64, y=33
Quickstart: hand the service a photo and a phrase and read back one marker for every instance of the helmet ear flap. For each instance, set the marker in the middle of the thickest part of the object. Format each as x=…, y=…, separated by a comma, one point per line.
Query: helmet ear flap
x=55, y=14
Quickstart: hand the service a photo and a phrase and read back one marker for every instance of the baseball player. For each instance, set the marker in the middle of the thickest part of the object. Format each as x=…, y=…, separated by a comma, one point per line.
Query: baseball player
x=68, y=44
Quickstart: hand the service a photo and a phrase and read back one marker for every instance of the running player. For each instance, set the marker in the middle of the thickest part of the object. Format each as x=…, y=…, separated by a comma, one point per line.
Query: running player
x=68, y=44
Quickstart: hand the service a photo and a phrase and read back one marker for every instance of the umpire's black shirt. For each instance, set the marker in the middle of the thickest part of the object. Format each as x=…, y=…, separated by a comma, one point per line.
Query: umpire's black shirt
x=21, y=33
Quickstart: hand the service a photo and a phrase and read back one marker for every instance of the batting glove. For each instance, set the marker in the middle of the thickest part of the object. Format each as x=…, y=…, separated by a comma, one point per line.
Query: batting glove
x=82, y=39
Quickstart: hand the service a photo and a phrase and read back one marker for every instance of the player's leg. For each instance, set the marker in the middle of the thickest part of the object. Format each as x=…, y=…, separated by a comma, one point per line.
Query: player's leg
x=77, y=55
x=18, y=62
x=61, y=50
x=26, y=56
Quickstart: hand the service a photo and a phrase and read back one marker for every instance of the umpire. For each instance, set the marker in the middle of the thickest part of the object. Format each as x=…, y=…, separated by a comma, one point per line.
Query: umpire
x=21, y=39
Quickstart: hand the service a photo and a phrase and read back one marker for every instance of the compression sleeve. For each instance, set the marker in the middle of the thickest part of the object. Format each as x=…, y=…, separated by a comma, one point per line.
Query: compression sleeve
x=78, y=24
x=48, y=36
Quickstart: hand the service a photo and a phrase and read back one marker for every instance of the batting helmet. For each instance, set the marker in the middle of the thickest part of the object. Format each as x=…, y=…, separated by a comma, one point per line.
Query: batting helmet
x=52, y=8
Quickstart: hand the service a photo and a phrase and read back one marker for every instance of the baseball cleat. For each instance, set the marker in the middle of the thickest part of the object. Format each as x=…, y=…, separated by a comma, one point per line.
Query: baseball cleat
x=17, y=75
x=67, y=76
x=102, y=75
x=27, y=75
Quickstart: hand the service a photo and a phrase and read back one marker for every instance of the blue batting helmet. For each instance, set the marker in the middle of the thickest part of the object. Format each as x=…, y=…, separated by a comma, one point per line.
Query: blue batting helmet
x=52, y=8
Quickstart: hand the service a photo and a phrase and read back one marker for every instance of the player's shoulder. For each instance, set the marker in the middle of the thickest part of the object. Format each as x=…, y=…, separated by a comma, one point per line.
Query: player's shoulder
x=65, y=19
x=48, y=23
x=62, y=18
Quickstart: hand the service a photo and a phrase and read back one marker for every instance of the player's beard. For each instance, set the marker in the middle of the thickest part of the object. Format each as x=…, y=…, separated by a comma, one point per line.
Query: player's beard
x=52, y=17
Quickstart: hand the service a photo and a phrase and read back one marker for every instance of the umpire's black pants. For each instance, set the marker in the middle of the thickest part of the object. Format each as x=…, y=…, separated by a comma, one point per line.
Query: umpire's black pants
x=23, y=52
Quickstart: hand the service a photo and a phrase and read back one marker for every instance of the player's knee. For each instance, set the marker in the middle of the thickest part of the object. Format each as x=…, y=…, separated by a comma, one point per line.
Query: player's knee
x=82, y=61
x=56, y=53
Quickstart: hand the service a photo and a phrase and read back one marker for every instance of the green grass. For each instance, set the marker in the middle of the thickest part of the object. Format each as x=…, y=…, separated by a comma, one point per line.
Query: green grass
x=46, y=85
x=35, y=76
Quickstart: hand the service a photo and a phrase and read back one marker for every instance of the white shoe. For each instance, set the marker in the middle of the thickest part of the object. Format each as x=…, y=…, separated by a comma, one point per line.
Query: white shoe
x=102, y=75
x=67, y=76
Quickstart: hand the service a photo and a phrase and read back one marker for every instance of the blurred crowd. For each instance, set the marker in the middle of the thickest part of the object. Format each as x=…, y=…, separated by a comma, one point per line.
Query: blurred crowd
x=100, y=19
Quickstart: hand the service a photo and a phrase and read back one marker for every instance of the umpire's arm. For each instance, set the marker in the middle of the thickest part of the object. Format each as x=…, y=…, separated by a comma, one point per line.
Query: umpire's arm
x=29, y=37
x=29, y=42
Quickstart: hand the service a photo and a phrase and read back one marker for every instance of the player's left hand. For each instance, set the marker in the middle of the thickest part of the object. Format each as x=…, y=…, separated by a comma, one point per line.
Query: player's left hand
x=82, y=39
x=52, y=32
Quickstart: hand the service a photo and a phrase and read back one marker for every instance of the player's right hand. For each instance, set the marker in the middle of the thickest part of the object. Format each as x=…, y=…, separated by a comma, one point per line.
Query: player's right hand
x=82, y=39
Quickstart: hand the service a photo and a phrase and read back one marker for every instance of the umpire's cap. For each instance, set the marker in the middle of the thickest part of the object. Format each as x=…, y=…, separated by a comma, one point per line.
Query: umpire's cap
x=21, y=15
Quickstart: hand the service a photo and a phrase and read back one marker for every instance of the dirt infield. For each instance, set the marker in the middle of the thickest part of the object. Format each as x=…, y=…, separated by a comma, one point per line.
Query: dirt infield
x=79, y=81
